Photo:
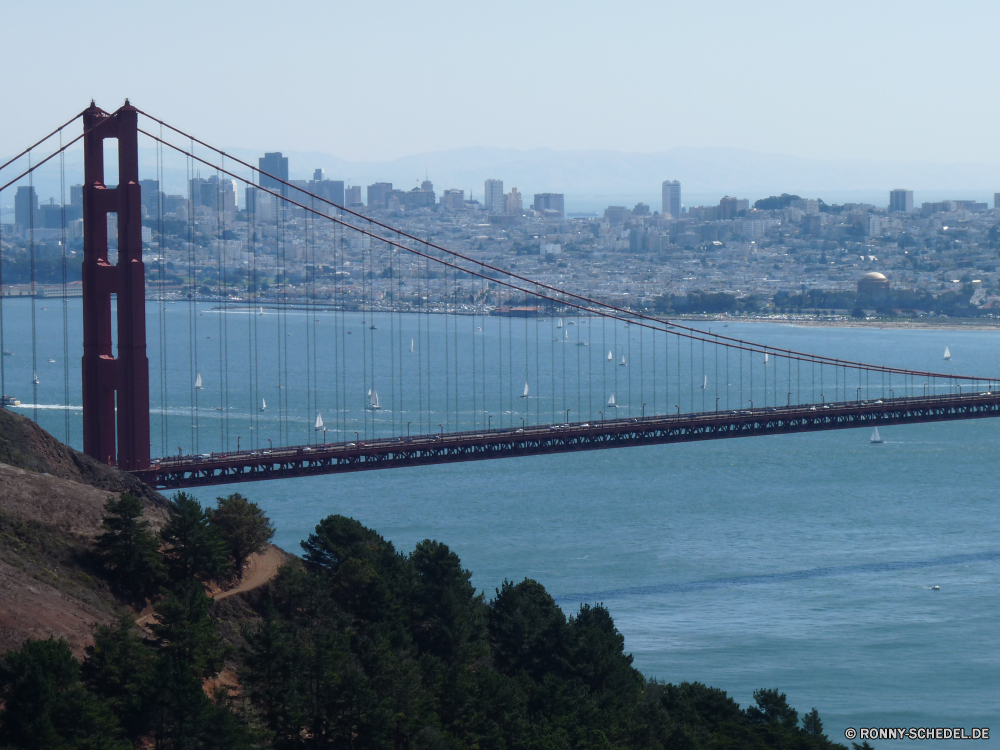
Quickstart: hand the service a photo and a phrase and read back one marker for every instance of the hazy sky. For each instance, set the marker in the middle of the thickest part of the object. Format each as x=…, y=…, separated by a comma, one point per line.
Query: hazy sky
x=379, y=80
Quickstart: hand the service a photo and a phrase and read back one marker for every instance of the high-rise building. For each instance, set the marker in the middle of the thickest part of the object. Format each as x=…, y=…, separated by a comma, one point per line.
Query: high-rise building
x=494, y=196
x=378, y=194
x=671, y=199
x=901, y=200
x=551, y=205
x=514, y=204
x=25, y=206
x=352, y=196
x=453, y=199
x=76, y=195
x=996, y=200
x=274, y=164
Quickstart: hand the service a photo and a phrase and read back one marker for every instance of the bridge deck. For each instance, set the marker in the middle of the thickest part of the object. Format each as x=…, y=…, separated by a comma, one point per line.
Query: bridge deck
x=333, y=458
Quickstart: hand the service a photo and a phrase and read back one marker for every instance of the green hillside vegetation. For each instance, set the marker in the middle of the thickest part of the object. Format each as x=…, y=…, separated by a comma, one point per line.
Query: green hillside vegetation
x=356, y=645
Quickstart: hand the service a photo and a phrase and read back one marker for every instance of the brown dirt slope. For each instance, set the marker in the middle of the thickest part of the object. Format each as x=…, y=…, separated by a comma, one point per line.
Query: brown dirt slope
x=51, y=503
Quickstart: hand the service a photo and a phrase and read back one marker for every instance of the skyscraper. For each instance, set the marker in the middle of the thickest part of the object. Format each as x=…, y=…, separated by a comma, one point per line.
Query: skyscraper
x=25, y=206
x=514, y=204
x=900, y=200
x=671, y=199
x=494, y=200
x=275, y=164
x=378, y=194
x=550, y=205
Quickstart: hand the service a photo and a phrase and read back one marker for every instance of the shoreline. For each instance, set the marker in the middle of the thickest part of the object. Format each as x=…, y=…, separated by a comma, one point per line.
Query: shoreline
x=953, y=324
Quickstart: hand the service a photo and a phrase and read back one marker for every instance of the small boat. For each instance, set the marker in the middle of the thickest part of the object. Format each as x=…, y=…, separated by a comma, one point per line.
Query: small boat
x=319, y=423
x=705, y=383
x=263, y=404
x=947, y=354
x=8, y=353
x=34, y=378
x=571, y=323
x=612, y=404
x=373, y=327
x=260, y=310
x=875, y=438
x=411, y=345
x=935, y=588
x=479, y=329
x=610, y=356
x=582, y=343
x=373, y=401
x=525, y=394
x=623, y=363
x=9, y=401
x=52, y=361
x=277, y=385
x=565, y=335
x=197, y=383
x=559, y=324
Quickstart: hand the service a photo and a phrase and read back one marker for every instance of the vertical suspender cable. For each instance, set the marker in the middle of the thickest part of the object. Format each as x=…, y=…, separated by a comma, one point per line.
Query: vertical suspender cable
x=65, y=310
x=31, y=251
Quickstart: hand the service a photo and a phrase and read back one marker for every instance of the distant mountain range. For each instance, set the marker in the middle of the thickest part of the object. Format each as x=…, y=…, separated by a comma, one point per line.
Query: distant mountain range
x=593, y=179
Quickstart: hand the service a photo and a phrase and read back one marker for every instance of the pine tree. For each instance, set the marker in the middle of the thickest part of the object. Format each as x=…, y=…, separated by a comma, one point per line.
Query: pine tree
x=127, y=548
x=243, y=526
x=195, y=547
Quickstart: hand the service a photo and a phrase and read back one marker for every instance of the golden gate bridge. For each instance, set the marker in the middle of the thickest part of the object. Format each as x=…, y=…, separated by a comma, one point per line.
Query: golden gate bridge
x=416, y=353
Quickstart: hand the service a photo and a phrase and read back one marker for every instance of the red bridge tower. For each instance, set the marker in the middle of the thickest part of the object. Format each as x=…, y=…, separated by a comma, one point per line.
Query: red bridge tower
x=106, y=378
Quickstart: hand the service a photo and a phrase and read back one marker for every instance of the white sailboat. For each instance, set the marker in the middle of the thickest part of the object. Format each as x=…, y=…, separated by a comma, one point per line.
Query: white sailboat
x=765, y=358
x=623, y=363
x=876, y=438
x=610, y=357
x=260, y=310
x=525, y=394
x=947, y=354
x=612, y=404
x=559, y=324
x=411, y=345
x=263, y=404
x=565, y=335
x=373, y=401
x=319, y=423
x=705, y=383
x=34, y=378
x=197, y=382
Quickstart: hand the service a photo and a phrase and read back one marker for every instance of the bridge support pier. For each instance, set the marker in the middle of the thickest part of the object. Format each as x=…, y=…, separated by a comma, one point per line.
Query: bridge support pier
x=115, y=389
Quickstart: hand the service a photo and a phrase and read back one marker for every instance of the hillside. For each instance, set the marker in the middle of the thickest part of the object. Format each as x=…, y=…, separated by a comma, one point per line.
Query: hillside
x=51, y=503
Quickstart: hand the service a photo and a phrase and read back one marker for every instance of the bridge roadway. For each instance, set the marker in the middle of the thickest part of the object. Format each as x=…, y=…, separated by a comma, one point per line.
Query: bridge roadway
x=423, y=450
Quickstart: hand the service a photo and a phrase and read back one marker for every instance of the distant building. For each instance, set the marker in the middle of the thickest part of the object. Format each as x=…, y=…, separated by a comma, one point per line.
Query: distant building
x=728, y=207
x=996, y=200
x=806, y=205
x=274, y=164
x=453, y=199
x=378, y=194
x=550, y=205
x=671, y=199
x=617, y=215
x=872, y=288
x=352, y=196
x=641, y=209
x=900, y=200
x=494, y=197
x=873, y=225
x=419, y=198
x=76, y=195
x=550, y=248
x=25, y=206
x=515, y=206
x=427, y=186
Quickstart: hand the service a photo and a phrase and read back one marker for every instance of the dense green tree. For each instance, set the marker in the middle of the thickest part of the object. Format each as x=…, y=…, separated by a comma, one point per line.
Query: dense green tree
x=447, y=612
x=118, y=668
x=812, y=724
x=772, y=708
x=195, y=547
x=185, y=631
x=528, y=631
x=128, y=549
x=243, y=526
x=44, y=704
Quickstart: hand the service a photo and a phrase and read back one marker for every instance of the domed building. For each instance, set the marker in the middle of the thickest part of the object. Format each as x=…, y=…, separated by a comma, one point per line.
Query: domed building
x=873, y=288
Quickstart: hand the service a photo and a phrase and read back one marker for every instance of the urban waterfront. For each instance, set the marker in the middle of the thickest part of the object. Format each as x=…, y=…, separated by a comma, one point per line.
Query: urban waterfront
x=800, y=562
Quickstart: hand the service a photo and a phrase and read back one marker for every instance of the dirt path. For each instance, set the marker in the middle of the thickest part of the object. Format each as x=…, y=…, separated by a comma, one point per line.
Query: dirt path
x=260, y=569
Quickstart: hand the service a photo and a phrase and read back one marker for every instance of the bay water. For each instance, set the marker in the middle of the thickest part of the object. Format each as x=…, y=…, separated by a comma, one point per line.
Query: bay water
x=802, y=562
